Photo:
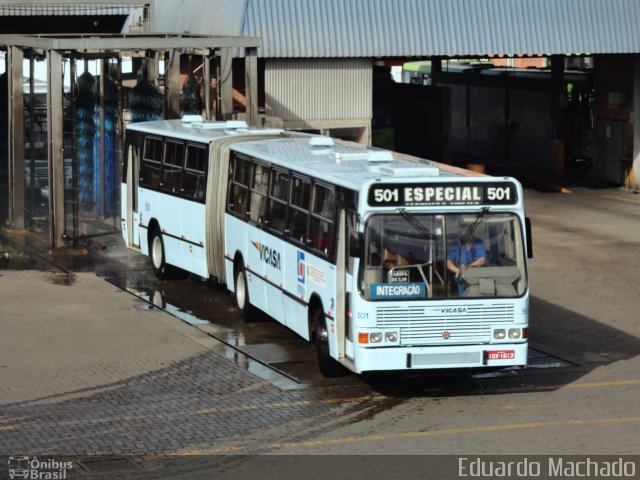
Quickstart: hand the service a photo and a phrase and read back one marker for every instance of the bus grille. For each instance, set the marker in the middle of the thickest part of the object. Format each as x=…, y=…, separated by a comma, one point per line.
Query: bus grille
x=448, y=324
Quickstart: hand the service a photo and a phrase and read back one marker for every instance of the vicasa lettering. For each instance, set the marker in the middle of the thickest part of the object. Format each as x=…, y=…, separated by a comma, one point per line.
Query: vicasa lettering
x=454, y=310
x=268, y=255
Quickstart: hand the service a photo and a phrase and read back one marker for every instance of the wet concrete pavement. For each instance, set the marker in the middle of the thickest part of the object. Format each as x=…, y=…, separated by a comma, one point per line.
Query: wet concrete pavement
x=122, y=363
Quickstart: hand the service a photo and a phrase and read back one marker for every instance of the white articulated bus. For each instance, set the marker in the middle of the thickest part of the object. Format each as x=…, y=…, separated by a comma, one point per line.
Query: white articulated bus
x=384, y=261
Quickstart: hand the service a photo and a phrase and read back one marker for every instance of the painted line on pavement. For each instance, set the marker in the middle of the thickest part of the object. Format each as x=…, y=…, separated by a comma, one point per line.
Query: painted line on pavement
x=328, y=401
x=622, y=199
x=413, y=435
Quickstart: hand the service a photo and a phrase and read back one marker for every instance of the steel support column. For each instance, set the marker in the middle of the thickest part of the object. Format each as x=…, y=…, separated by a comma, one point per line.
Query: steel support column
x=103, y=72
x=635, y=169
x=56, y=149
x=224, y=86
x=16, y=138
x=206, y=73
x=172, y=86
x=251, y=84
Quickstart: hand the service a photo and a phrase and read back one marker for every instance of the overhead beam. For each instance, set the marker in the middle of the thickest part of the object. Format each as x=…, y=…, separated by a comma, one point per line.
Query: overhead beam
x=124, y=3
x=131, y=41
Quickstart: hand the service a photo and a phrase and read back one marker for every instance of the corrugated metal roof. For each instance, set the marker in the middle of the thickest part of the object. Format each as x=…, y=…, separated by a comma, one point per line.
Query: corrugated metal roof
x=455, y=28
x=412, y=28
x=207, y=17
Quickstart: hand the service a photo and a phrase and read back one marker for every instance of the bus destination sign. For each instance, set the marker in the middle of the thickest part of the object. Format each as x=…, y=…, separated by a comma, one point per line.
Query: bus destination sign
x=445, y=194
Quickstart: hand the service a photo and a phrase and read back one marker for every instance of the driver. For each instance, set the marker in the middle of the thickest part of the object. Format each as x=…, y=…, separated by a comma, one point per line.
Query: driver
x=469, y=253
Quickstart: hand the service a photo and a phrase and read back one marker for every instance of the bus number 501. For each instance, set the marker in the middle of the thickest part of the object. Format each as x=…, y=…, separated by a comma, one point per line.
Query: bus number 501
x=498, y=193
x=386, y=195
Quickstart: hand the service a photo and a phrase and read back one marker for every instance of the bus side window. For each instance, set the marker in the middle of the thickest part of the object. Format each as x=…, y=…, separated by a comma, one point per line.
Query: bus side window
x=259, y=188
x=240, y=172
x=150, y=170
x=278, y=196
x=193, y=183
x=172, y=168
x=321, y=224
x=299, y=209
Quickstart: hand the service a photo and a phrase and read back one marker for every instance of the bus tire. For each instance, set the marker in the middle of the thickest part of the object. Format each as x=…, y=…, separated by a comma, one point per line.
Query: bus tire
x=156, y=252
x=241, y=293
x=328, y=366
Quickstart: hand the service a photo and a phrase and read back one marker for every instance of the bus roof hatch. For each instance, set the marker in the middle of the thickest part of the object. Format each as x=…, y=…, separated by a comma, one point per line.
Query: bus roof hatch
x=418, y=171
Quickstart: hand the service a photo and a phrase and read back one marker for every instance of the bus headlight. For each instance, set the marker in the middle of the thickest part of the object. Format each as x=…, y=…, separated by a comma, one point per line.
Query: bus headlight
x=499, y=333
x=375, y=337
x=391, y=337
x=384, y=337
x=514, y=333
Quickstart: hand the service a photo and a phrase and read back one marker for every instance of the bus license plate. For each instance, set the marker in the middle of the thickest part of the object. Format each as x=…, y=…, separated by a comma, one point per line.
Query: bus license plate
x=501, y=355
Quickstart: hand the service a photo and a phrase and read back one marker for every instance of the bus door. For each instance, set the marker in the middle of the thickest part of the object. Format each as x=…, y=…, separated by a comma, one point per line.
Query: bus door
x=344, y=283
x=132, y=216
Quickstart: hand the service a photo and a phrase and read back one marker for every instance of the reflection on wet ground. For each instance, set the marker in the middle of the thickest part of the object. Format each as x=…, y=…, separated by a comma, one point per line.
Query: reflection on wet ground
x=12, y=258
x=262, y=346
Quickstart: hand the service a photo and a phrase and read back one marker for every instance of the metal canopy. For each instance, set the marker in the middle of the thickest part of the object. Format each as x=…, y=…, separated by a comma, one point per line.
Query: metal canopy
x=57, y=48
x=138, y=41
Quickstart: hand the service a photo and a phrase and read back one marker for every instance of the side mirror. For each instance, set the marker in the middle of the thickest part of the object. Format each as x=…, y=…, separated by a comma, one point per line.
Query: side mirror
x=356, y=246
x=527, y=226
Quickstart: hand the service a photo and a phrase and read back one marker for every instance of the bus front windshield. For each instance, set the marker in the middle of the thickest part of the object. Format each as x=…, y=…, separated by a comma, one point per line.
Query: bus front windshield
x=413, y=256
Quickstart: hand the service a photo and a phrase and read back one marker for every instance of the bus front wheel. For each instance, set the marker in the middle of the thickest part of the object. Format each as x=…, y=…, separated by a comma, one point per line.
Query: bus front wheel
x=242, y=293
x=156, y=251
x=329, y=366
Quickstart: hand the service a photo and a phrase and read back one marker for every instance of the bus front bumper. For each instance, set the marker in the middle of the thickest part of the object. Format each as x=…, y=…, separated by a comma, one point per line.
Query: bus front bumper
x=440, y=357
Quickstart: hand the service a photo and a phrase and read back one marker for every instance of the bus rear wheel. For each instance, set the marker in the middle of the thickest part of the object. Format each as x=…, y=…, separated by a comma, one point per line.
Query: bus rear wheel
x=156, y=251
x=328, y=366
x=241, y=293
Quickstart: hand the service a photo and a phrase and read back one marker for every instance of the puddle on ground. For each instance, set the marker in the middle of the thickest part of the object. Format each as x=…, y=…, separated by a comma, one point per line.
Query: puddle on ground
x=155, y=299
x=61, y=278
x=14, y=259
x=147, y=307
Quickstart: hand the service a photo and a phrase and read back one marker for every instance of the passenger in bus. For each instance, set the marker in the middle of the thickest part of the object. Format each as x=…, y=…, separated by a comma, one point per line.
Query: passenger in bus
x=469, y=253
x=392, y=259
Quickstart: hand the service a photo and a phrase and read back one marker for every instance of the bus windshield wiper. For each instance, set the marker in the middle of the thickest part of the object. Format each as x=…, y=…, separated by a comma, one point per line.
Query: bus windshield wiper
x=472, y=228
x=411, y=220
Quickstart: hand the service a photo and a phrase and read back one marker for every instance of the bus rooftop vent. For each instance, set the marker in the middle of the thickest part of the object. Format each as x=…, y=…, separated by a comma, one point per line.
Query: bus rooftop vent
x=321, y=141
x=191, y=118
x=379, y=156
x=371, y=156
x=229, y=124
x=419, y=171
x=257, y=131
